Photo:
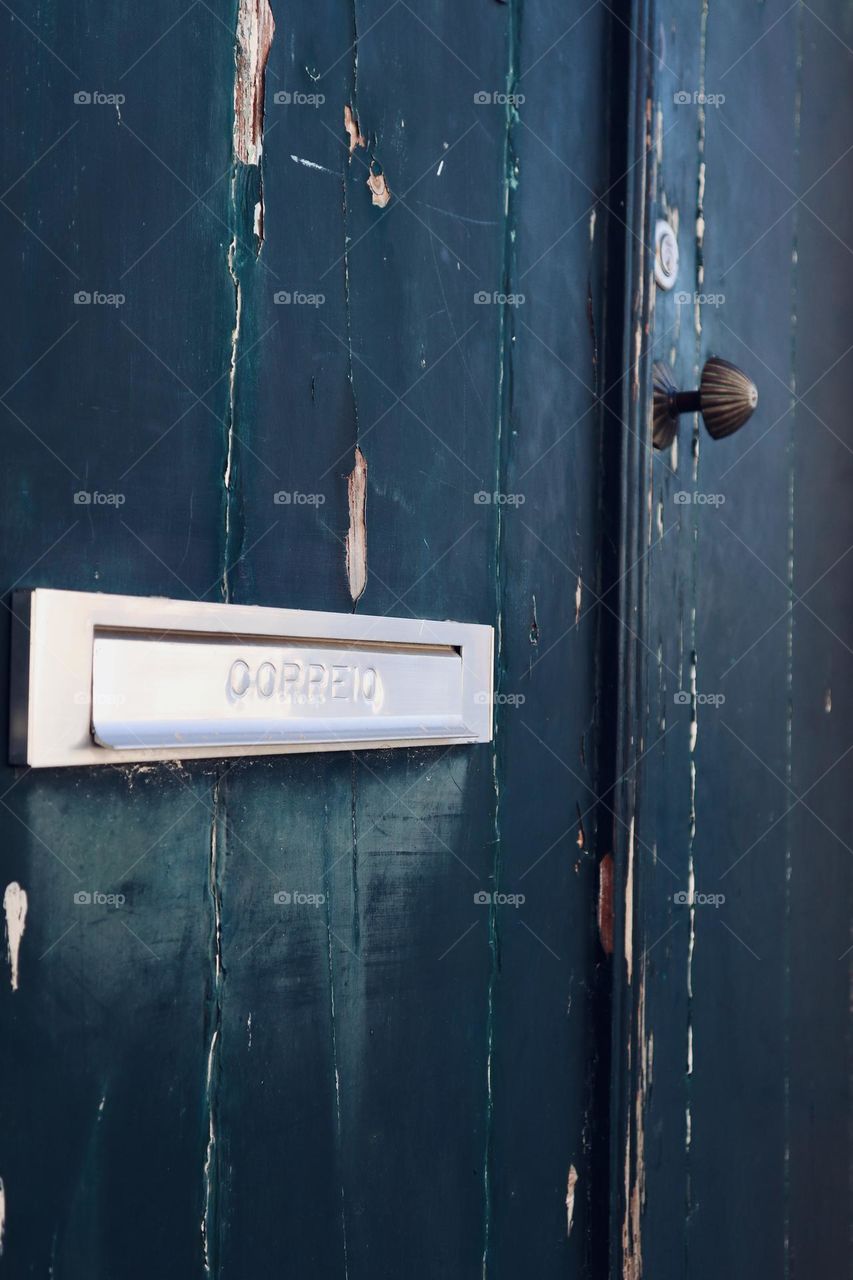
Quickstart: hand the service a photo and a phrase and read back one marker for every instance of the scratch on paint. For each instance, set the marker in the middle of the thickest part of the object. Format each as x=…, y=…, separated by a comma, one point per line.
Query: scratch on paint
x=503, y=420
x=208, y=1161
x=15, y=909
x=533, y=633
x=635, y=1172
x=334, y=1037
x=629, y=905
x=356, y=542
x=208, y=1225
x=311, y=164
x=570, y=1198
x=225, y=586
x=605, y=903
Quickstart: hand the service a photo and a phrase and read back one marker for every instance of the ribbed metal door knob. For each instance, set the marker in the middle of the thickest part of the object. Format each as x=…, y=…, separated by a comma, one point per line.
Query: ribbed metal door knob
x=726, y=399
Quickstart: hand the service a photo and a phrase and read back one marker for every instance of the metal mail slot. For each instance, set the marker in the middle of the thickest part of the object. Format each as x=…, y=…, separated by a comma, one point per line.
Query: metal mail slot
x=100, y=679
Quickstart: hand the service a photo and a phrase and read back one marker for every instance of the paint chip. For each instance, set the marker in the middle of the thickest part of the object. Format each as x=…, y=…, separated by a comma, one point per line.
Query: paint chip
x=533, y=633
x=351, y=126
x=255, y=29
x=379, y=189
x=356, y=543
x=570, y=1198
x=15, y=909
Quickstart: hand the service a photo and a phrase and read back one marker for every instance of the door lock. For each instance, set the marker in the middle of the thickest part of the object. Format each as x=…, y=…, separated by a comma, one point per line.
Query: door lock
x=726, y=399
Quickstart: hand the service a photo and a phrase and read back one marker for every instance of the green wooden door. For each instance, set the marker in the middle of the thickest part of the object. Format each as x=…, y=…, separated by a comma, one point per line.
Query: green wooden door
x=347, y=307
x=395, y=1078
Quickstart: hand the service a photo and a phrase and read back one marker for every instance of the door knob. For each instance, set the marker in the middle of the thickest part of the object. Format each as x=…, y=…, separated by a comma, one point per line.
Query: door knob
x=726, y=398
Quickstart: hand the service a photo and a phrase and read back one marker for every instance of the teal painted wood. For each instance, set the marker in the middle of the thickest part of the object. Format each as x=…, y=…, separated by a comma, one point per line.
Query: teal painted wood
x=392, y=1078
x=384, y=1076
x=416, y=1156
x=741, y=970
x=391, y=841
x=105, y=1120
x=819, y=1064
x=738, y=1026
x=662, y=847
x=547, y=1154
x=105, y=1112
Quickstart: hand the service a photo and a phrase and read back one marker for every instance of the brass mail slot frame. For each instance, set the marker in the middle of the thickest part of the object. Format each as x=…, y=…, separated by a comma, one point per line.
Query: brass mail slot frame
x=109, y=679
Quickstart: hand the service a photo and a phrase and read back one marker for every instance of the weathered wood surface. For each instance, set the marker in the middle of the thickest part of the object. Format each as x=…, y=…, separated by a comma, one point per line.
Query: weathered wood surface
x=388, y=1077
x=397, y=1080
x=733, y=1079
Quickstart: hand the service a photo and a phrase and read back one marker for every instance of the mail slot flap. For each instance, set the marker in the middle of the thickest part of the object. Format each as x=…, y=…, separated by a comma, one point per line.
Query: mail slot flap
x=189, y=691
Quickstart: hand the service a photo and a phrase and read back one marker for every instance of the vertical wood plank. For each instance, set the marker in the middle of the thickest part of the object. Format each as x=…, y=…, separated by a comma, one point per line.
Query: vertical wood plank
x=740, y=967
x=390, y=840
x=546, y=1127
x=104, y=1133
x=404, y=361
x=818, y=1149
x=664, y=836
x=416, y=1124
x=741, y=1029
x=286, y=823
